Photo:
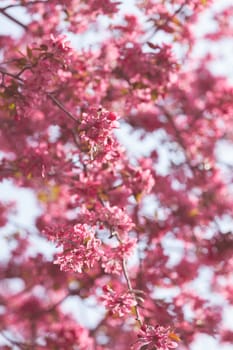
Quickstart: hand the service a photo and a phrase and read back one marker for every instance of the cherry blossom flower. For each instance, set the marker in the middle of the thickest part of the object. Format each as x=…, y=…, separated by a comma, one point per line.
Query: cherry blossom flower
x=81, y=248
x=156, y=337
x=119, y=304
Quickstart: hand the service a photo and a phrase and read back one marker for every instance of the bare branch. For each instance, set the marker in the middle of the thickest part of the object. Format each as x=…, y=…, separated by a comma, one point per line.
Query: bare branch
x=62, y=107
x=13, y=19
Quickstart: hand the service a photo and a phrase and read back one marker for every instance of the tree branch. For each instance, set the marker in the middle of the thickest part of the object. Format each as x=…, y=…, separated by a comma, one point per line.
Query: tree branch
x=62, y=107
x=29, y=3
x=13, y=19
x=129, y=284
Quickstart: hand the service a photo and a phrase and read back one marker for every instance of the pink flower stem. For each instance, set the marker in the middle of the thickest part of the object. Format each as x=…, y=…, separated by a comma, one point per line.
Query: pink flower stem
x=131, y=290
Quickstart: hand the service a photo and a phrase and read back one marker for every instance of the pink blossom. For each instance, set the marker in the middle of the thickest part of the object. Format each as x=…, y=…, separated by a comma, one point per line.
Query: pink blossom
x=113, y=256
x=115, y=219
x=81, y=249
x=118, y=303
x=158, y=337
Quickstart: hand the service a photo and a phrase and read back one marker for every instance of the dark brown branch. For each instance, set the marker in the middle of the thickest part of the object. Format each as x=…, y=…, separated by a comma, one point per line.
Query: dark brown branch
x=62, y=107
x=13, y=19
x=29, y=3
x=17, y=77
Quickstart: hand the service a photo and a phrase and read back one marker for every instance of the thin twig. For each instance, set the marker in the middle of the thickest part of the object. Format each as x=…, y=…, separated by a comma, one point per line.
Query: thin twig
x=62, y=107
x=129, y=284
x=17, y=77
x=169, y=19
x=13, y=19
x=29, y=3
x=20, y=345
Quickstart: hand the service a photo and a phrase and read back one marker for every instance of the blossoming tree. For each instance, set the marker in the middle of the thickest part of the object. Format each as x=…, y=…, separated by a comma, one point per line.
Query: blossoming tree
x=116, y=215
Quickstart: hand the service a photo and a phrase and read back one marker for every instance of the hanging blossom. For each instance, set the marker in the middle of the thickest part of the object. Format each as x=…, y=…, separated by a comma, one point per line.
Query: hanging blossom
x=119, y=304
x=138, y=179
x=96, y=133
x=156, y=338
x=66, y=333
x=115, y=219
x=81, y=249
x=113, y=257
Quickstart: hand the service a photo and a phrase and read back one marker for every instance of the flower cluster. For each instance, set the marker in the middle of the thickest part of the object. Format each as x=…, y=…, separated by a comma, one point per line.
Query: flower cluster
x=119, y=303
x=80, y=248
x=156, y=337
x=115, y=219
x=95, y=132
x=113, y=256
x=136, y=219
